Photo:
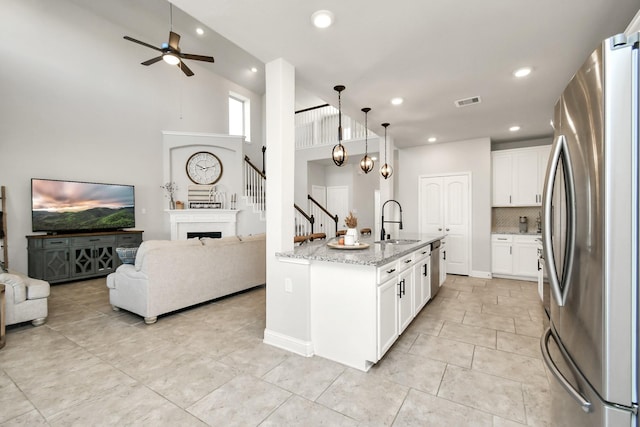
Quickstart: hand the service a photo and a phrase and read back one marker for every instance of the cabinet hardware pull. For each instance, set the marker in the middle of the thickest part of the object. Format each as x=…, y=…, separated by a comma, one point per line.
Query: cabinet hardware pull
x=400, y=289
x=425, y=270
x=94, y=240
x=403, y=287
x=407, y=261
x=444, y=254
x=391, y=271
x=510, y=247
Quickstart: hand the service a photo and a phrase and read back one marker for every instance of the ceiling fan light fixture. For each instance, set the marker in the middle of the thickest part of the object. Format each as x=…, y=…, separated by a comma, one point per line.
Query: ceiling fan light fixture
x=170, y=59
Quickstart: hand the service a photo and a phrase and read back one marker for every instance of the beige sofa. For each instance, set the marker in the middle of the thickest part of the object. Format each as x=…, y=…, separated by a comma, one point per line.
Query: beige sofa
x=170, y=275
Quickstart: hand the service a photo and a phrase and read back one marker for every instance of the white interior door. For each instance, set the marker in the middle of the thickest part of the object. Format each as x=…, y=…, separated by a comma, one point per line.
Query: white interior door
x=338, y=203
x=319, y=193
x=456, y=223
x=444, y=208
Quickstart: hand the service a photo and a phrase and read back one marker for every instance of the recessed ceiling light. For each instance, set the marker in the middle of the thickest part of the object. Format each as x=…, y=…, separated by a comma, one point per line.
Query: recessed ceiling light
x=432, y=139
x=254, y=70
x=322, y=18
x=522, y=72
x=200, y=31
x=514, y=128
x=397, y=101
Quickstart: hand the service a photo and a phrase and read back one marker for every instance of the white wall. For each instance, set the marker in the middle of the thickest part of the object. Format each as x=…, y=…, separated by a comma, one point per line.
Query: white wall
x=76, y=104
x=463, y=156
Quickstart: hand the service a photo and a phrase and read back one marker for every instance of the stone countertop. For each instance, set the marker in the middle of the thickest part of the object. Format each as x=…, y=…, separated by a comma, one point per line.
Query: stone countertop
x=375, y=255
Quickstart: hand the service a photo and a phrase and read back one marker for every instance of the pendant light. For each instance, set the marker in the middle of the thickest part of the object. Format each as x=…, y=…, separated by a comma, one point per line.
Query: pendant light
x=366, y=164
x=386, y=170
x=339, y=153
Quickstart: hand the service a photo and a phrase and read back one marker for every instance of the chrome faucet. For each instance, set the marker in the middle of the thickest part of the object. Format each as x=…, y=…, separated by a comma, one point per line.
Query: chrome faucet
x=382, y=232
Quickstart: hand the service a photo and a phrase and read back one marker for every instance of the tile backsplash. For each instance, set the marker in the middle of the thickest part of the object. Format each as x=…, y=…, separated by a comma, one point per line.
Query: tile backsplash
x=506, y=220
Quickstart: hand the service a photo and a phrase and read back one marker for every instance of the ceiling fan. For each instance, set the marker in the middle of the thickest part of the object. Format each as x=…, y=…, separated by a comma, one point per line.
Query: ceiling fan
x=171, y=52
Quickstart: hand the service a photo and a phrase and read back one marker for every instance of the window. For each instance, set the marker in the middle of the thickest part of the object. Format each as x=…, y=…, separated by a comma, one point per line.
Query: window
x=239, y=116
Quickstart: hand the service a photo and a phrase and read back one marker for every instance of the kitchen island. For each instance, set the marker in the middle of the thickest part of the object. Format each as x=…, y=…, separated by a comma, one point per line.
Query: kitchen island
x=359, y=300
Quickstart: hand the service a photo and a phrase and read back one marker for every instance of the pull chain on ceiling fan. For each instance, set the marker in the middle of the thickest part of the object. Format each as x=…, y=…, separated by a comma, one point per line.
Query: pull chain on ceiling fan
x=171, y=51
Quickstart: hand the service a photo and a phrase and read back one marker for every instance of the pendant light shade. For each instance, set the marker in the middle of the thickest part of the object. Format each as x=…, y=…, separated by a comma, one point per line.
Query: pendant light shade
x=366, y=164
x=339, y=153
x=386, y=170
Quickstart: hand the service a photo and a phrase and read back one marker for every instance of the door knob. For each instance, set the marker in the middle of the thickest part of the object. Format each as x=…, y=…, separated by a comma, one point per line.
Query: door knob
x=440, y=229
x=447, y=229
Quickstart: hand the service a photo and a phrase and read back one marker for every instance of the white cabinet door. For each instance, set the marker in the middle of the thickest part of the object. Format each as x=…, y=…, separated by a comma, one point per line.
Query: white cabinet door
x=387, y=311
x=543, y=159
x=525, y=257
x=525, y=178
x=501, y=255
x=501, y=173
x=422, y=283
x=405, y=299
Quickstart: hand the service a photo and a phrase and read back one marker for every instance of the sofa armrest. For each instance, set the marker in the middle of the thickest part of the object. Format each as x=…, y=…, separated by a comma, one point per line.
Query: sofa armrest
x=124, y=273
x=15, y=287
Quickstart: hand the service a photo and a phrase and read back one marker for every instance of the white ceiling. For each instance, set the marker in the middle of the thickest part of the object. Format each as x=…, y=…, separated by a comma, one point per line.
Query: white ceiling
x=430, y=52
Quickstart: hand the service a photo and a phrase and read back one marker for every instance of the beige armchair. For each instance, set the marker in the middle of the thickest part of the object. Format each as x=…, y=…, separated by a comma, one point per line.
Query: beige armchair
x=25, y=299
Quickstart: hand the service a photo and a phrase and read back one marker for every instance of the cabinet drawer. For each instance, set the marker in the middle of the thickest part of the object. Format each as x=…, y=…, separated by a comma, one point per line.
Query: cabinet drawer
x=93, y=240
x=422, y=252
x=55, y=243
x=532, y=239
x=405, y=262
x=385, y=272
x=504, y=238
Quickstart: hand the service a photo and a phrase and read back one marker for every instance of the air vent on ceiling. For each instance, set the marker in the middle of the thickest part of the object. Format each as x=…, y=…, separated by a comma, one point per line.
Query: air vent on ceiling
x=468, y=101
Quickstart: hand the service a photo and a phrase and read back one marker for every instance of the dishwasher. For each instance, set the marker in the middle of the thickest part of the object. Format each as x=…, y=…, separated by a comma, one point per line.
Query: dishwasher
x=435, y=268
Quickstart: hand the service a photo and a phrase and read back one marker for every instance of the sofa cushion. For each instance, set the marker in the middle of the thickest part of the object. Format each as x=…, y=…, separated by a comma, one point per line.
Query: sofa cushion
x=127, y=255
x=148, y=245
x=229, y=240
x=18, y=285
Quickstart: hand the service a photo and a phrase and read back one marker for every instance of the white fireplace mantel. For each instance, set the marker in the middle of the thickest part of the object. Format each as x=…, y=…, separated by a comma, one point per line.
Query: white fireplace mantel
x=185, y=221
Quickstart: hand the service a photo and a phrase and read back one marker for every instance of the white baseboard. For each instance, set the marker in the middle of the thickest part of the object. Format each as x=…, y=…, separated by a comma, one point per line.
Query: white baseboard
x=480, y=274
x=285, y=342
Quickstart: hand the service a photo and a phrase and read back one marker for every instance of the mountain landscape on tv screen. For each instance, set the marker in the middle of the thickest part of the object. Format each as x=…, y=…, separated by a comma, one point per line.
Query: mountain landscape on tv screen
x=90, y=219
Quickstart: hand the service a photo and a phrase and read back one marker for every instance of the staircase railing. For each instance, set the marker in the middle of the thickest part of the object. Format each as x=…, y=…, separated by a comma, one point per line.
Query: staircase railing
x=322, y=215
x=255, y=186
x=319, y=126
x=303, y=223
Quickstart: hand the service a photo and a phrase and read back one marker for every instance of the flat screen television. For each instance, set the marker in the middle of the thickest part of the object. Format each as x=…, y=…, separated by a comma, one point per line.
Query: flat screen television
x=74, y=206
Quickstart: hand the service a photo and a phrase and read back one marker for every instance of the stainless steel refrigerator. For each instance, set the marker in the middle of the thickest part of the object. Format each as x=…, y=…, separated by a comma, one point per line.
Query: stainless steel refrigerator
x=590, y=239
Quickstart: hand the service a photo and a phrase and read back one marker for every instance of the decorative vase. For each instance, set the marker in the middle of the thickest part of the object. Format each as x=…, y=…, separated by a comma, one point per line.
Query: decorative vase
x=172, y=203
x=351, y=237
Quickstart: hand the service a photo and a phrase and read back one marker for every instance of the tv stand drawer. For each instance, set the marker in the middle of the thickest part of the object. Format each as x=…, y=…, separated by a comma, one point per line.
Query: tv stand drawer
x=93, y=240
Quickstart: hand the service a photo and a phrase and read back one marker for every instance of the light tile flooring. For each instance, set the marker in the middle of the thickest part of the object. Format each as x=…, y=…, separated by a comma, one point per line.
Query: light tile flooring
x=470, y=358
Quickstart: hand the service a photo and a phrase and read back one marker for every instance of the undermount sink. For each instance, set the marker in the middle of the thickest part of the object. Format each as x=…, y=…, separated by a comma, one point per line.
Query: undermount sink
x=397, y=241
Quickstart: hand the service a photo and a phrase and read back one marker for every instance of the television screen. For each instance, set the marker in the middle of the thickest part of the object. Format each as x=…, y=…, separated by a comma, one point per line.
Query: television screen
x=72, y=206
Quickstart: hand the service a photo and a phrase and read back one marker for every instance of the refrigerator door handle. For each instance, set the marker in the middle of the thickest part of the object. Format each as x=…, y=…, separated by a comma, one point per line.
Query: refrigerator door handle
x=575, y=394
x=560, y=153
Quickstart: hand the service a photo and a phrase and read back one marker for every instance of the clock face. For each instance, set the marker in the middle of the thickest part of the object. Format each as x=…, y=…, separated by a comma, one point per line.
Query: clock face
x=204, y=168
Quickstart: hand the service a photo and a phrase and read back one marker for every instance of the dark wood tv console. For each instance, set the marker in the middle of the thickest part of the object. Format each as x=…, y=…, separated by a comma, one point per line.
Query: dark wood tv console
x=65, y=257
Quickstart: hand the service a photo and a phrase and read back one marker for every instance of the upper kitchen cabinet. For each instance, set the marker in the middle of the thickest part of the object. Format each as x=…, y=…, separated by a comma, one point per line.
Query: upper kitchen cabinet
x=518, y=176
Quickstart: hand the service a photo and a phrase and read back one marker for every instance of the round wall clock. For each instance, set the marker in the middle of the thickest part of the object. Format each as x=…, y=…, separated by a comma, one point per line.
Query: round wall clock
x=204, y=168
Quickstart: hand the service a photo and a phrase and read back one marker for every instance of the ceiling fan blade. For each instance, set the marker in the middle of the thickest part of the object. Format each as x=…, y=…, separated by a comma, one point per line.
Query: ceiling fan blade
x=196, y=57
x=174, y=39
x=152, y=60
x=142, y=43
x=185, y=69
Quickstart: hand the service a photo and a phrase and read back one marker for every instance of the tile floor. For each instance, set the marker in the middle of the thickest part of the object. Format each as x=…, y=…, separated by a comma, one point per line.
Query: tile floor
x=470, y=358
